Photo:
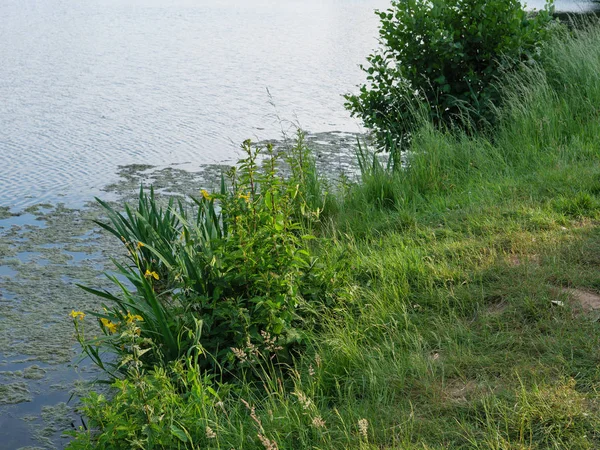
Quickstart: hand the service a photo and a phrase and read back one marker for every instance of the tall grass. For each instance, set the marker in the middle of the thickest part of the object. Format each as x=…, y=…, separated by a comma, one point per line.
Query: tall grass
x=549, y=115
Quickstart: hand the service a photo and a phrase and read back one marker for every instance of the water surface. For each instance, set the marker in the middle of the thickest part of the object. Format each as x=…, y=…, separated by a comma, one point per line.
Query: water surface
x=87, y=86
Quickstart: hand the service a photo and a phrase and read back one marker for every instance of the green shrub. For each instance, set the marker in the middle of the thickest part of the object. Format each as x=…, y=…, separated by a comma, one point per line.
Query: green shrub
x=179, y=407
x=150, y=223
x=147, y=411
x=225, y=279
x=447, y=54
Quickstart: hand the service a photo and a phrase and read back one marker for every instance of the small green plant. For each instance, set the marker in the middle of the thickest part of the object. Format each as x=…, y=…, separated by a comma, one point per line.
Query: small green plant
x=582, y=204
x=314, y=202
x=447, y=55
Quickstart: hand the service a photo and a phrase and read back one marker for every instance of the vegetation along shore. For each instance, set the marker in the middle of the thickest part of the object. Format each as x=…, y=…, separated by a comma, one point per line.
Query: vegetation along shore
x=448, y=296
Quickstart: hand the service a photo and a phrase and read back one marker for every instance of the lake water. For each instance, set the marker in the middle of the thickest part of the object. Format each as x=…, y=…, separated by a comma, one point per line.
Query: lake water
x=567, y=6
x=89, y=85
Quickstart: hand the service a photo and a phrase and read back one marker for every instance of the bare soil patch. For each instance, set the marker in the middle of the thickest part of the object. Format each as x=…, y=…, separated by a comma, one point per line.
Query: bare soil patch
x=586, y=300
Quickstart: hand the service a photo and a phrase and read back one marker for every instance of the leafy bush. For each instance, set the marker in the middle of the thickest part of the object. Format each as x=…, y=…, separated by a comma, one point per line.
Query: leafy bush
x=224, y=278
x=446, y=53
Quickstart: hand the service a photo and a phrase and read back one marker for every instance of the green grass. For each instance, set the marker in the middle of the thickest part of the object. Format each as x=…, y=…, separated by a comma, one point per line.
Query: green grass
x=453, y=328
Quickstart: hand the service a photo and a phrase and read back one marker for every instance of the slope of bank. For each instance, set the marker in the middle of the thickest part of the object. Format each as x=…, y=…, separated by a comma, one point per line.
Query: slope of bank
x=470, y=300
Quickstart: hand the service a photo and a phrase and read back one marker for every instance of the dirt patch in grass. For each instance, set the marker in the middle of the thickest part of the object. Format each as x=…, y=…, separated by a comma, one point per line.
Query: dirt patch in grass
x=586, y=300
x=496, y=309
x=494, y=305
x=517, y=260
x=461, y=391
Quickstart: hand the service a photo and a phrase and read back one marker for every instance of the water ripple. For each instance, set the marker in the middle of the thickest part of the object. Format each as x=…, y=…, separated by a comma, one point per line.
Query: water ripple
x=88, y=86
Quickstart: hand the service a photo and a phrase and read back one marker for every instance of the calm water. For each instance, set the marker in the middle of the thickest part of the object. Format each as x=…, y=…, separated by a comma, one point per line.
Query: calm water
x=567, y=6
x=89, y=85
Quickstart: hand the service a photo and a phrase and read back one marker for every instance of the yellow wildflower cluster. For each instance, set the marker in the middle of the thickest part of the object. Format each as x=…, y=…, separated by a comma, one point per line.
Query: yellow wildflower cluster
x=110, y=326
x=77, y=314
x=152, y=274
x=245, y=197
x=205, y=194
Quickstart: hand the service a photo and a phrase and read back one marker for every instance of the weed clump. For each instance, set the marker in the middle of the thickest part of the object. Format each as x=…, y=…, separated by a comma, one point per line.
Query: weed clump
x=223, y=279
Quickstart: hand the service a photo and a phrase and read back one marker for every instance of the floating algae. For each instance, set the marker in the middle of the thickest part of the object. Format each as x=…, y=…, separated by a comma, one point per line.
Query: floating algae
x=56, y=419
x=12, y=393
x=167, y=181
x=5, y=212
x=30, y=373
x=34, y=373
x=36, y=334
x=334, y=152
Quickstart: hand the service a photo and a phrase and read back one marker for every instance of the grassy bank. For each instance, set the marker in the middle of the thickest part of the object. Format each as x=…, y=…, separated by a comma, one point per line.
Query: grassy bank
x=466, y=303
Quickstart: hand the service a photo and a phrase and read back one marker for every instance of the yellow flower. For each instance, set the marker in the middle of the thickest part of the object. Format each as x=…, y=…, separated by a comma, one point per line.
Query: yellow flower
x=140, y=244
x=149, y=274
x=77, y=315
x=205, y=194
x=110, y=326
x=245, y=196
x=130, y=318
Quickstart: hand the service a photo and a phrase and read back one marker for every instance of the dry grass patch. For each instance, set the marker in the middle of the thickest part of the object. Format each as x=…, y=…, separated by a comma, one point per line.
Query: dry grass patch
x=462, y=391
